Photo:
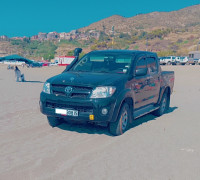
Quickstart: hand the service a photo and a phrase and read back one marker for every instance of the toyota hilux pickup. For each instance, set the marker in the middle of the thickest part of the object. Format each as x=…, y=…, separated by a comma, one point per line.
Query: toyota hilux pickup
x=109, y=88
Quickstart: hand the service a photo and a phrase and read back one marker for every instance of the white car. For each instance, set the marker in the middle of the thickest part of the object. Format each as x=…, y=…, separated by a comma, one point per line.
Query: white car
x=168, y=60
x=182, y=60
x=53, y=64
x=198, y=62
x=162, y=61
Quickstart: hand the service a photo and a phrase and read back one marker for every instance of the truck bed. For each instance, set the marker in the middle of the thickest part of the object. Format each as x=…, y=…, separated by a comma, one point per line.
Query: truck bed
x=167, y=78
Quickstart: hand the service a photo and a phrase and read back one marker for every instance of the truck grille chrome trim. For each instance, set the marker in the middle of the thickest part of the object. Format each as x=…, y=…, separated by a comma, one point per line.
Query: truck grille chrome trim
x=71, y=91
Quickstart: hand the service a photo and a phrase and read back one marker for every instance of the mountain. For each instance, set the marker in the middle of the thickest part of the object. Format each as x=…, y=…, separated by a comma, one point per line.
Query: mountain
x=184, y=18
x=167, y=33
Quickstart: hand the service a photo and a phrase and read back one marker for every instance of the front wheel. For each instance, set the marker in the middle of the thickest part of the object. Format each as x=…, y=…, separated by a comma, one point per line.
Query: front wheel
x=53, y=122
x=164, y=105
x=122, y=123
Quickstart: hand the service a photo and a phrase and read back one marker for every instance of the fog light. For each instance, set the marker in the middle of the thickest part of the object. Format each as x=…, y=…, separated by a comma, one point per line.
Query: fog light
x=104, y=111
x=91, y=117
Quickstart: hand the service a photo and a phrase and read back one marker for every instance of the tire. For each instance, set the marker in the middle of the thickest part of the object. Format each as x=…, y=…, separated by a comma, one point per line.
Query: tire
x=123, y=121
x=169, y=63
x=53, y=122
x=164, y=105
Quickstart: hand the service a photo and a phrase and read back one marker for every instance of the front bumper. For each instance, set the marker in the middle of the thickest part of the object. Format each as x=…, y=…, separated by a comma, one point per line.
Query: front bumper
x=85, y=108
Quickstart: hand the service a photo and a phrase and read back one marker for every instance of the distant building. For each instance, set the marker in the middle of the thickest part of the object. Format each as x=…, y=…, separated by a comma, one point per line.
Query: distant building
x=42, y=36
x=34, y=37
x=52, y=35
x=73, y=32
x=84, y=37
x=94, y=33
x=19, y=38
x=74, y=36
x=65, y=36
x=4, y=38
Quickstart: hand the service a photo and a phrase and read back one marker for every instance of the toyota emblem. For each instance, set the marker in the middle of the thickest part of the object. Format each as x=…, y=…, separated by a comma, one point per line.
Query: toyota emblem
x=68, y=89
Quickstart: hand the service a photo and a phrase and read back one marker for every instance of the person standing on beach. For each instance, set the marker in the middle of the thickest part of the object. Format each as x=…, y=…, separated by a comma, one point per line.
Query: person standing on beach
x=17, y=73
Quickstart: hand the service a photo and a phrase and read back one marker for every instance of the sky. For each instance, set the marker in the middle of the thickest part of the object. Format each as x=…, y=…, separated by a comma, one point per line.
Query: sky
x=28, y=17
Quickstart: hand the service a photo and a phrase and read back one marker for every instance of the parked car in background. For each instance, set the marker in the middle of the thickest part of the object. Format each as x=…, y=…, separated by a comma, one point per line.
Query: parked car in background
x=192, y=61
x=45, y=64
x=169, y=60
x=181, y=60
x=35, y=64
x=194, y=57
x=162, y=60
x=198, y=62
x=53, y=64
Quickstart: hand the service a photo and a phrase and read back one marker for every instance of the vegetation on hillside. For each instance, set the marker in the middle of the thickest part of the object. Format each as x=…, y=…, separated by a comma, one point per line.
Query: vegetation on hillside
x=157, y=31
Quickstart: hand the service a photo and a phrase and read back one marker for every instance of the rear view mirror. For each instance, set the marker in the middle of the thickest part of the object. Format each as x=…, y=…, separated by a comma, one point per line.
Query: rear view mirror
x=141, y=72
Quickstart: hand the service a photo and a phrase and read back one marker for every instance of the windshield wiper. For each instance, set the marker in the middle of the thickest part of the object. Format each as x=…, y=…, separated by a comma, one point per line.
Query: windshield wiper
x=81, y=71
x=102, y=71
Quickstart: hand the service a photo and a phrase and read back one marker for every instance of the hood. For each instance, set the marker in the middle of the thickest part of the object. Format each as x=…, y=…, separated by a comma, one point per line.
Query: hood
x=87, y=79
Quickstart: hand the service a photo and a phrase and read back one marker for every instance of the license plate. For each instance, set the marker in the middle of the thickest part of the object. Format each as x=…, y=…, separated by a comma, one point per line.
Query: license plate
x=66, y=112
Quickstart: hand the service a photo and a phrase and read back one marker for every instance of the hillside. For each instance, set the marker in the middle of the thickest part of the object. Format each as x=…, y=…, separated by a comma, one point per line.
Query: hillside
x=167, y=33
x=184, y=18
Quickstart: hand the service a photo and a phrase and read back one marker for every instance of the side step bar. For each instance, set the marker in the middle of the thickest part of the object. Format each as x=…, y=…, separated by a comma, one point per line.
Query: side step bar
x=145, y=110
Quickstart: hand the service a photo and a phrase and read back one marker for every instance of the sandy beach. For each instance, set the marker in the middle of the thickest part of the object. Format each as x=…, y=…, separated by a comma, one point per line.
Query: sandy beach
x=155, y=148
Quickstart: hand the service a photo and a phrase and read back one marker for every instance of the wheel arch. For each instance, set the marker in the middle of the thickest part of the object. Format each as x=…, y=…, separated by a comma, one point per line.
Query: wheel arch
x=162, y=91
x=127, y=99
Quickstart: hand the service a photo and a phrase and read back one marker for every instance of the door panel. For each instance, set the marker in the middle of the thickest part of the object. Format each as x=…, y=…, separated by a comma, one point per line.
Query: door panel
x=140, y=84
x=154, y=80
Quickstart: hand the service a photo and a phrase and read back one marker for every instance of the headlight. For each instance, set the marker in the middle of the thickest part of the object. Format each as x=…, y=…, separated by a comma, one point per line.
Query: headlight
x=103, y=92
x=46, y=88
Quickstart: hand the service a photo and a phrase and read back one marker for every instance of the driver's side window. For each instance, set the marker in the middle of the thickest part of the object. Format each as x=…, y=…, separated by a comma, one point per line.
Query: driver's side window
x=141, y=64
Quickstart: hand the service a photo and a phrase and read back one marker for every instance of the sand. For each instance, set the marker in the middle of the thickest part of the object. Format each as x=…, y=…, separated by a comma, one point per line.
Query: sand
x=166, y=147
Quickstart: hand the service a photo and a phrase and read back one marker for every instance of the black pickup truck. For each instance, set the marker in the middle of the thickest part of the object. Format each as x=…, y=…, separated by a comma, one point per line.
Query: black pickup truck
x=109, y=88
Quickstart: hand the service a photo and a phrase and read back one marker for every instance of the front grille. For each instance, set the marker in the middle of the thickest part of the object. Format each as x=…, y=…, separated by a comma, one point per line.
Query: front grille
x=77, y=91
x=84, y=109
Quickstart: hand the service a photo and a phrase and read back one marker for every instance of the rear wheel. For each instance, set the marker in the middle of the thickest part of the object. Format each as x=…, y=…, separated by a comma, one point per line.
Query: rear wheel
x=164, y=105
x=169, y=63
x=122, y=123
x=53, y=122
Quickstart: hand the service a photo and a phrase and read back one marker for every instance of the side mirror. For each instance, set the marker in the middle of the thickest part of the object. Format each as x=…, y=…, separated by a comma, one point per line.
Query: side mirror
x=77, y=51
x=141, y=72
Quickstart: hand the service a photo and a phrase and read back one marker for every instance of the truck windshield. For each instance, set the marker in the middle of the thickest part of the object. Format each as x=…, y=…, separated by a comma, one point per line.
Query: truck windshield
x=103, y=63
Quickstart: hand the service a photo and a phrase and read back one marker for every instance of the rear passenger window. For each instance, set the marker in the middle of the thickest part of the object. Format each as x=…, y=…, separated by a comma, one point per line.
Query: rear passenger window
x=152, y=65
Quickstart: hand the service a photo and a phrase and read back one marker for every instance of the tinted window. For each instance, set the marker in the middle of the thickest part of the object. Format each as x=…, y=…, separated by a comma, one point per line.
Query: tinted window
x=141, y=63
x=102, y=63
x=152, y=65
